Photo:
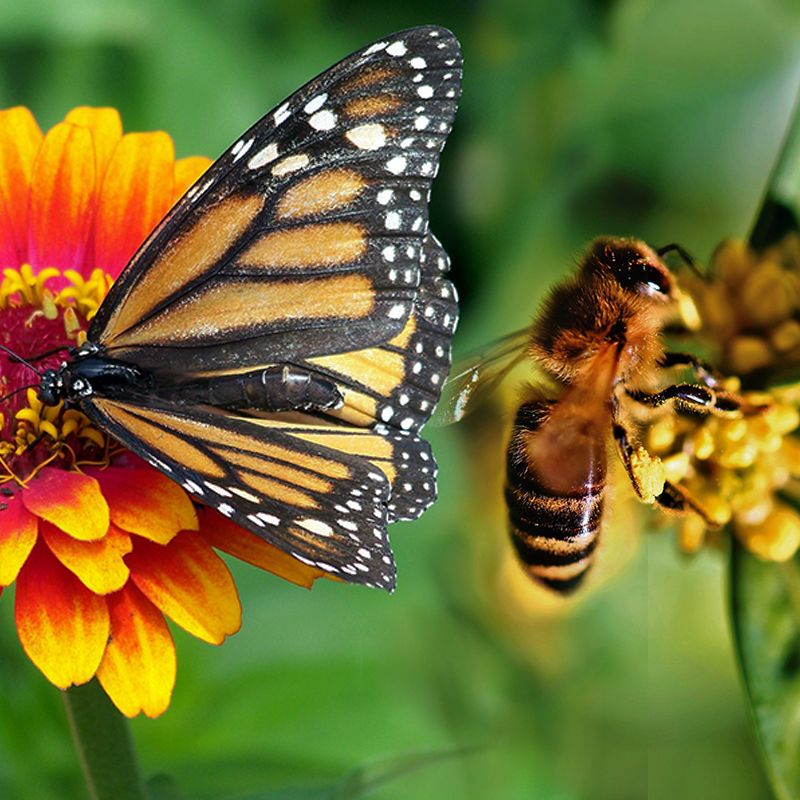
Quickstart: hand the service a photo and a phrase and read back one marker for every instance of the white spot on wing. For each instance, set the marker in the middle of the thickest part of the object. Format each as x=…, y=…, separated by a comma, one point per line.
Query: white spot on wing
x=397, y=48
x=263, y=156
x=397, y=165
x=371, y=136
x=290, y=164
x=316, y=103
x=323, y=120
x=316, y=526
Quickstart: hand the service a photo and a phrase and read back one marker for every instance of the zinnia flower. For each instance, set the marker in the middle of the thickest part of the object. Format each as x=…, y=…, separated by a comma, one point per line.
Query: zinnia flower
x=740, y=471
x=101, y=546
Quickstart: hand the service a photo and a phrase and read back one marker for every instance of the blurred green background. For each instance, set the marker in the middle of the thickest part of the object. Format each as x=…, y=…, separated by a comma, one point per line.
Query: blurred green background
x=579, y=118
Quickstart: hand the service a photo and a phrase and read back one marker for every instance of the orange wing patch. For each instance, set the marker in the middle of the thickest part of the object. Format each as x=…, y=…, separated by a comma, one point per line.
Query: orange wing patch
x=331, y=244
x=186, y=258
x=326, y=191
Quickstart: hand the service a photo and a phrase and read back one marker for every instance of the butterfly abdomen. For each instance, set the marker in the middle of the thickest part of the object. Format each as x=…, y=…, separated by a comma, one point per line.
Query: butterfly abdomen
x=278, y=388
x=554, y=531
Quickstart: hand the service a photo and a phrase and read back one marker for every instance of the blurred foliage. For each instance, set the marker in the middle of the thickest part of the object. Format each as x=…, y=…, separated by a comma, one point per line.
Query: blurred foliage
x=658, y=119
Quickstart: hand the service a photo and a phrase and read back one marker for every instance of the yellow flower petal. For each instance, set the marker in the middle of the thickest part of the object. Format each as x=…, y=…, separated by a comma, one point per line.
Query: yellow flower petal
x=147, y=503
x=138, y=668
x=71, y=501
x=63, y=627
x=190, y=583
x=99, y=565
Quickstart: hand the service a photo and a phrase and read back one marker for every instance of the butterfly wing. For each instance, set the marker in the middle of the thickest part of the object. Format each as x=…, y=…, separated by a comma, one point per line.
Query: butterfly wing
x=306, y=241
x=317, y=492
x=305, y=237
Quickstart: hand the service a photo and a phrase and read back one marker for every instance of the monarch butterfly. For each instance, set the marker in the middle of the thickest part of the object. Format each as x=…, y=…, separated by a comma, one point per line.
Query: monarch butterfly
x=281, y=337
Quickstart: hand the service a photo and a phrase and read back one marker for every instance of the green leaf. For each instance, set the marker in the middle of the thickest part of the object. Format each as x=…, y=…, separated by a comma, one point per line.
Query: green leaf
x=765, y=608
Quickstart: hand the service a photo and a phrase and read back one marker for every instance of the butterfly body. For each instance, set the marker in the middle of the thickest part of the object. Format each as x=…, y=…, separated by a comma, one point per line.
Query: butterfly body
x=281, y=337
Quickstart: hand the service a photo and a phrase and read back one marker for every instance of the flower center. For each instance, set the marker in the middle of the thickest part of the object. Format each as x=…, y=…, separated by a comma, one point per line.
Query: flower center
x=40, y=327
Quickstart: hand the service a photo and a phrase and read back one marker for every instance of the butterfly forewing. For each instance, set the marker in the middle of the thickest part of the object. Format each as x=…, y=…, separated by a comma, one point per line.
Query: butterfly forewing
x=313, y=220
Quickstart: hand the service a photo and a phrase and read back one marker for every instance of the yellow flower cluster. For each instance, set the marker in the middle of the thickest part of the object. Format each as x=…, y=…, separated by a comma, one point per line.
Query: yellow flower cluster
x=733, y=467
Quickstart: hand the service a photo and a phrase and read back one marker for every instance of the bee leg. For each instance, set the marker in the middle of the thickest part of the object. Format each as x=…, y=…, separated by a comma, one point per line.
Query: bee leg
x=646, y=475
x=702, y=369
x=677, y=500
x=645, y=472
x=691, y=397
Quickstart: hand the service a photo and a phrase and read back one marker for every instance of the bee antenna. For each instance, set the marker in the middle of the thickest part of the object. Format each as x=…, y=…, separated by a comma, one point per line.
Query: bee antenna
x=21, y=360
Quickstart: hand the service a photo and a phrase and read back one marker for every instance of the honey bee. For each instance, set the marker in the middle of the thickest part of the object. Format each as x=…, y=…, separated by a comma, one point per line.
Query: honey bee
x=597, y=341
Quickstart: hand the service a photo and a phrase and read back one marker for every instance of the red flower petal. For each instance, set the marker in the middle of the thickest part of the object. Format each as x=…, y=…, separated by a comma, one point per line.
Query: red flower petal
x=63, y=626
x=70, y=500
x=138, y=668
x=18, y=529
x=147, y=503
x=225, y=535
x=136, y=194
x=99, y=565
x=190, y=583
x=62, y=200
x=20, y=139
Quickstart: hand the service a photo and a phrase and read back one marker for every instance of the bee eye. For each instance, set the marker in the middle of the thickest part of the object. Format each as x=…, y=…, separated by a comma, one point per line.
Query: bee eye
x=655, y=279
x=641, y=275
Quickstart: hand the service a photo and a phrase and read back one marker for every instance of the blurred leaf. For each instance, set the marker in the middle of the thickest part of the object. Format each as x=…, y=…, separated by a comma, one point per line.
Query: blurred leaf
x=765, y=607
x=162, y=787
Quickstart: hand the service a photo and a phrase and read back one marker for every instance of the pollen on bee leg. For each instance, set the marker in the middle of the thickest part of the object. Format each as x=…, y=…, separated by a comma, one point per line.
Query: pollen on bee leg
x=648, y=474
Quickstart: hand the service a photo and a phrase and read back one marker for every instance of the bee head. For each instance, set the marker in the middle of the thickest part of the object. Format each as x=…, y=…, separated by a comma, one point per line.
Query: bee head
x=634, y=265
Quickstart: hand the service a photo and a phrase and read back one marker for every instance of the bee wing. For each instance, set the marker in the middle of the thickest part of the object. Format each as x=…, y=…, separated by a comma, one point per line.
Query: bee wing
x=476, y=376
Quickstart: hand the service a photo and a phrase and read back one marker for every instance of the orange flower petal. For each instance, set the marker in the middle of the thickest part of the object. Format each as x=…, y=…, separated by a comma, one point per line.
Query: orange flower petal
x=138, y=668
x=20, y=139
x=106, y=127
x=99, y=565
x=63, y=626
x=136, y=194
x=147, y=503
x=225, y=535
x=71, y=501
x=62, y=200
x=187, y=171
x=18, y=529
x=190, y=583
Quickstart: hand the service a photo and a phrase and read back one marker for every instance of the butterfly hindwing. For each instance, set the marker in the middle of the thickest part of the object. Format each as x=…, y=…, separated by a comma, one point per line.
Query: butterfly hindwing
x=305, y=237
x=319, y=494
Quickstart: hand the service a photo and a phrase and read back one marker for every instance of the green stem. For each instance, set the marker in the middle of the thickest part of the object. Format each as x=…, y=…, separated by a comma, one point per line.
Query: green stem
x=779, y=212
x=104, y=744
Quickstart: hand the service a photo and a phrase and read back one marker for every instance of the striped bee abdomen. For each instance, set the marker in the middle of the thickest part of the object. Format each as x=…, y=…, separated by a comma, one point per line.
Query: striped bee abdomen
x=554, y=494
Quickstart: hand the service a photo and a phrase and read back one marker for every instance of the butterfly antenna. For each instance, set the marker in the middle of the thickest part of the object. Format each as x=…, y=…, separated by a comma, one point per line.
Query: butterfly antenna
x=17, y=391
x=21, y=360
